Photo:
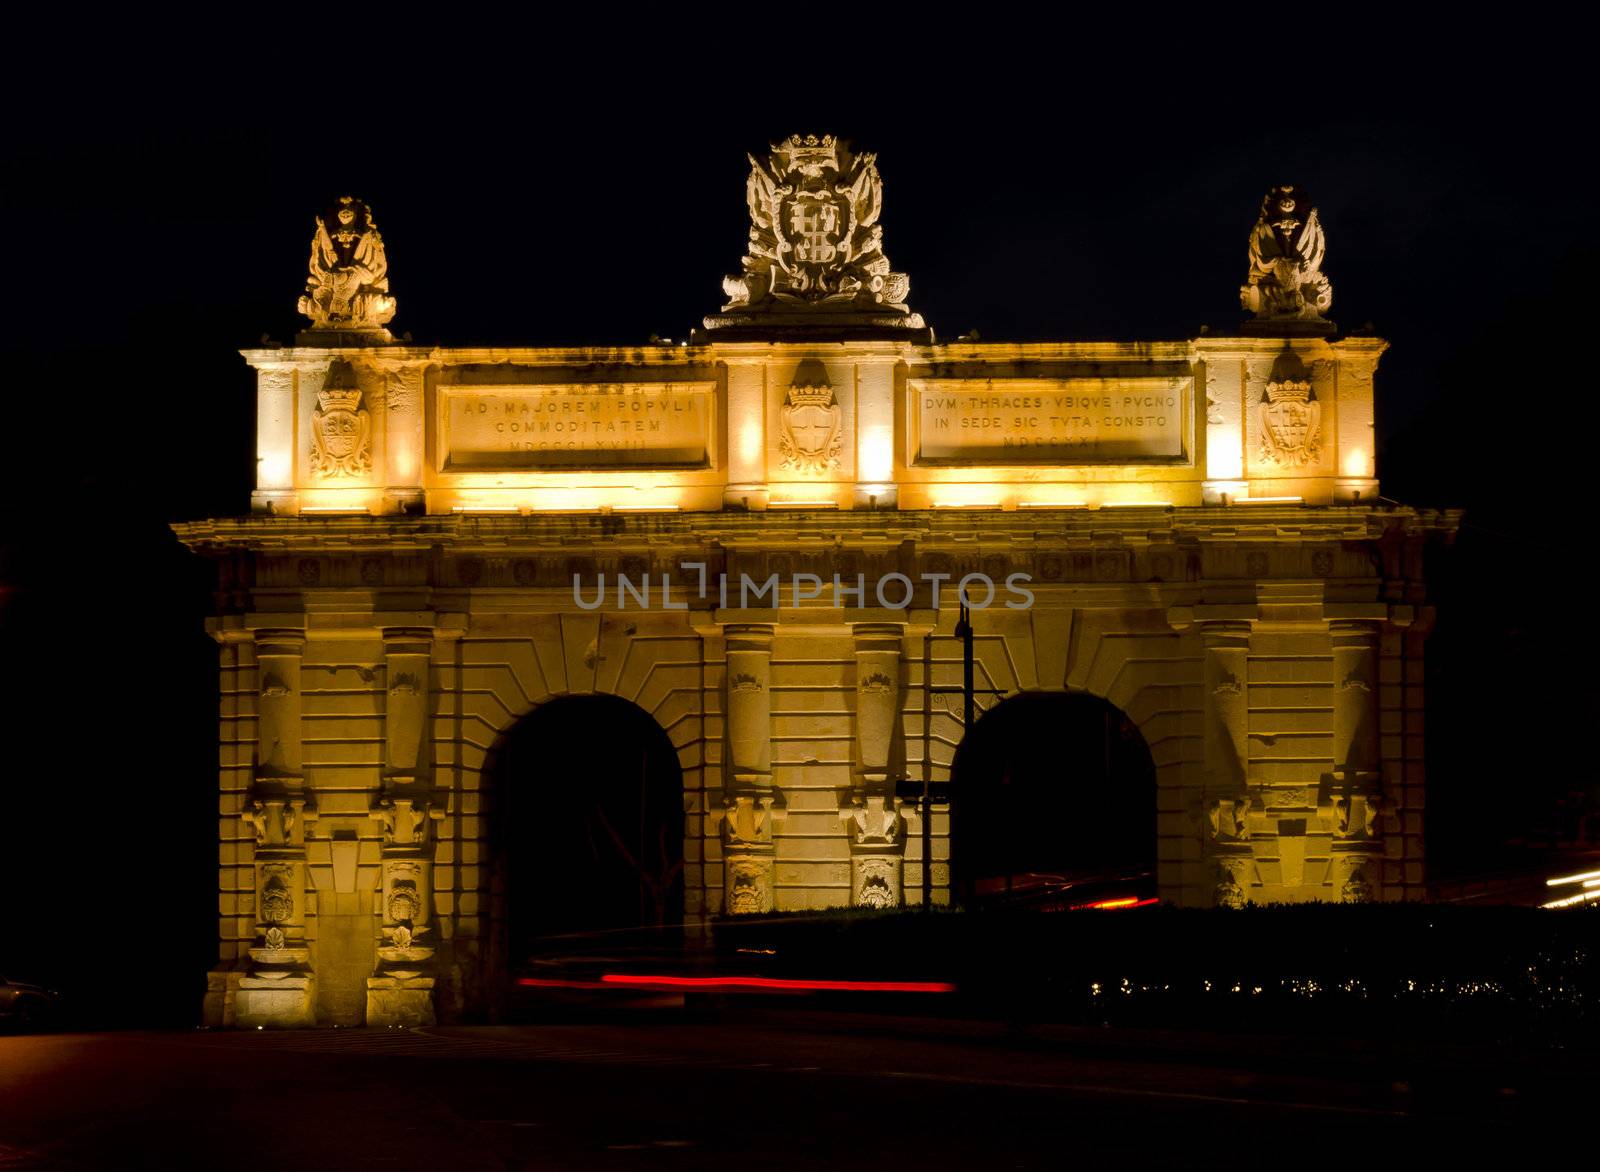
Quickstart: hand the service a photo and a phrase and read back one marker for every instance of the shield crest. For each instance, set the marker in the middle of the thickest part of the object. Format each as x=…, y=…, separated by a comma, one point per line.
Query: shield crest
x=1291, y=425
x=810, y=432
x=813, y=223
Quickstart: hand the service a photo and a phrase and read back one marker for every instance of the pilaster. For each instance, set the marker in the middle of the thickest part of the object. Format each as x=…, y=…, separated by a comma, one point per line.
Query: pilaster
x=278, y=989
x=404, y=435
x=871, y=815
x=750, y=803
x=1351, y=802
x=400, y=991
x=1226, y=801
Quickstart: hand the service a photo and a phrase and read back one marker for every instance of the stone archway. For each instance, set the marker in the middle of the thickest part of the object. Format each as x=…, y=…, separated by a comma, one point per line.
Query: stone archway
x=1052, y=791
x=586, y=829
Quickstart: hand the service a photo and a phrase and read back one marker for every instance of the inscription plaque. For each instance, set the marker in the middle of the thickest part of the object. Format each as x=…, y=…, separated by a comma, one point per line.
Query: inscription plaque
x=1049, y=421
x=577, y=426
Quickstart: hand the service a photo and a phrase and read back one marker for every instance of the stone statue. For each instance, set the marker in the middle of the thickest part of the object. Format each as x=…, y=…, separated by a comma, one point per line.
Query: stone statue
x=1286, y=247
x=816, y=246
x=348, y=288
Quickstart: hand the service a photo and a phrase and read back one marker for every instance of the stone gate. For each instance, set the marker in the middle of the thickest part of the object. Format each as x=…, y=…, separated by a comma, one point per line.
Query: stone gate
x=761, y=538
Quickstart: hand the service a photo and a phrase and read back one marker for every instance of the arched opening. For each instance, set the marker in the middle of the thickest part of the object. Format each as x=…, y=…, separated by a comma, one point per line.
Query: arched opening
x=1054, y=805
x=588, y=829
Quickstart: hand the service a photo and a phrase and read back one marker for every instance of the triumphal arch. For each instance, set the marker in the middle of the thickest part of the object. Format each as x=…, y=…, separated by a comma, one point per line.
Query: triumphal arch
x=754, y=546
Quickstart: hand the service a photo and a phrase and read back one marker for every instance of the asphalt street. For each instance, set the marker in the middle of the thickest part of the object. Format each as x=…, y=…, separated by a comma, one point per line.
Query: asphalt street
x=774, y=1090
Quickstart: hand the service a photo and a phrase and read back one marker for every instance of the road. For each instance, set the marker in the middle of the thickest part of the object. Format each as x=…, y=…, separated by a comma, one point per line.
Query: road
x=748, y=1089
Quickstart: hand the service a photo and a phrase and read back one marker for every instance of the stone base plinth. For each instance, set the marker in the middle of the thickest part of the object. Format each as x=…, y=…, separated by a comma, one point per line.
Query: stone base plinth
x=400, y=1001
x=1288, y=327
x=334, y=338
x=276, y=1002
x=222, y=992
x=814, y=325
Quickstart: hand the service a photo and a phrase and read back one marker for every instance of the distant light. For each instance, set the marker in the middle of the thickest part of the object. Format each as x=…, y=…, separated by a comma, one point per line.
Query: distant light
x=1115, y=904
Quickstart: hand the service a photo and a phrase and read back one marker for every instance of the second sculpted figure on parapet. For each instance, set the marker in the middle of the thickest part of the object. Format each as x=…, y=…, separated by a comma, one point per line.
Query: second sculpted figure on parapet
x=1286, y=284
x=816, y=247
x=348, y=287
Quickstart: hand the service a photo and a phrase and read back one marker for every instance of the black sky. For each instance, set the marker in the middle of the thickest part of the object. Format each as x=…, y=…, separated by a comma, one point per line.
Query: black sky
x=1076, y=176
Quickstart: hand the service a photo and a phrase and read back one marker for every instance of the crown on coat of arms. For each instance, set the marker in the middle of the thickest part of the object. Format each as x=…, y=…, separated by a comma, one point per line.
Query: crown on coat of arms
x=339, y=398
x=809, y=149
x=1288, y=392
x=812, y=396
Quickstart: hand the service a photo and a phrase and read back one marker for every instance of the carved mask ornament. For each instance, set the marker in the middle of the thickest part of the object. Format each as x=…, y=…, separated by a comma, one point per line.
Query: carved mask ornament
x=277, y=905
x=748, y=895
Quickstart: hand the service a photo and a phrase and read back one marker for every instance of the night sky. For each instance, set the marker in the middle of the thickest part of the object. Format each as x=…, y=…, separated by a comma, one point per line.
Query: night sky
x=544, y=184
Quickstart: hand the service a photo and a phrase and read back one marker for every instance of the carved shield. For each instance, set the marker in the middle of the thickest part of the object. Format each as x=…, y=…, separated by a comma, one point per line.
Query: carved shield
x=813, y=224
x=1291, y=431
x=810, y=439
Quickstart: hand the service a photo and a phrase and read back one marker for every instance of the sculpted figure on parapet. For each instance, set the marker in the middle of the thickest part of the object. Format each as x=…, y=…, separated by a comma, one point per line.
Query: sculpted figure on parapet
x=815, y=240
x=1286, y=249
x=348, y=288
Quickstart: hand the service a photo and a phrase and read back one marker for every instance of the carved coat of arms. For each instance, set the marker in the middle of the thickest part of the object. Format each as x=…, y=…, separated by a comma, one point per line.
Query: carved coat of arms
x=814, y=233
x=1291, y=424
x=810, y=430
x=341, y=434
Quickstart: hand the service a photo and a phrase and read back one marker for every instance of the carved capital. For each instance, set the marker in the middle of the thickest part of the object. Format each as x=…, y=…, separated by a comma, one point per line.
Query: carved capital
x=756, y=637
x=406, y=821
x=280, y=641
x=408, y=640
x=1227, y=819
x=278, y=821
x=1224, y=633
x=874, y=820
x=747, y=820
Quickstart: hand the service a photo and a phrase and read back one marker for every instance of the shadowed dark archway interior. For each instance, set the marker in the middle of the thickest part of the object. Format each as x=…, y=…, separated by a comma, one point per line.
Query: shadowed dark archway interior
x=589, y=828
x=1054, y=795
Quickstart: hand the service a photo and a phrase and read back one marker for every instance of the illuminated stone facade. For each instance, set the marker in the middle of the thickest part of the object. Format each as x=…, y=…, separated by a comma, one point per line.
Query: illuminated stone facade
x=1197, y=521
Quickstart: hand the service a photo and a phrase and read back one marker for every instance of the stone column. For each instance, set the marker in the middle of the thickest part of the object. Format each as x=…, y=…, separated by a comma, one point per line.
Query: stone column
x=872, y=817
x=1353, y=802
x=400, y=992
x=1226, y=800
x=278, y=990
x=747, y=820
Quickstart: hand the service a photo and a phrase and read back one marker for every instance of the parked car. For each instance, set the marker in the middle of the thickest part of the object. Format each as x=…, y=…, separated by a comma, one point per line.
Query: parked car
x=25, y=1006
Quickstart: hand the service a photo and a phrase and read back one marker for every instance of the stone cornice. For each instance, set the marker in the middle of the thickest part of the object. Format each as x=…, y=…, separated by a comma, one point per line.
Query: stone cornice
x=1174, y=351
x=808, y=529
